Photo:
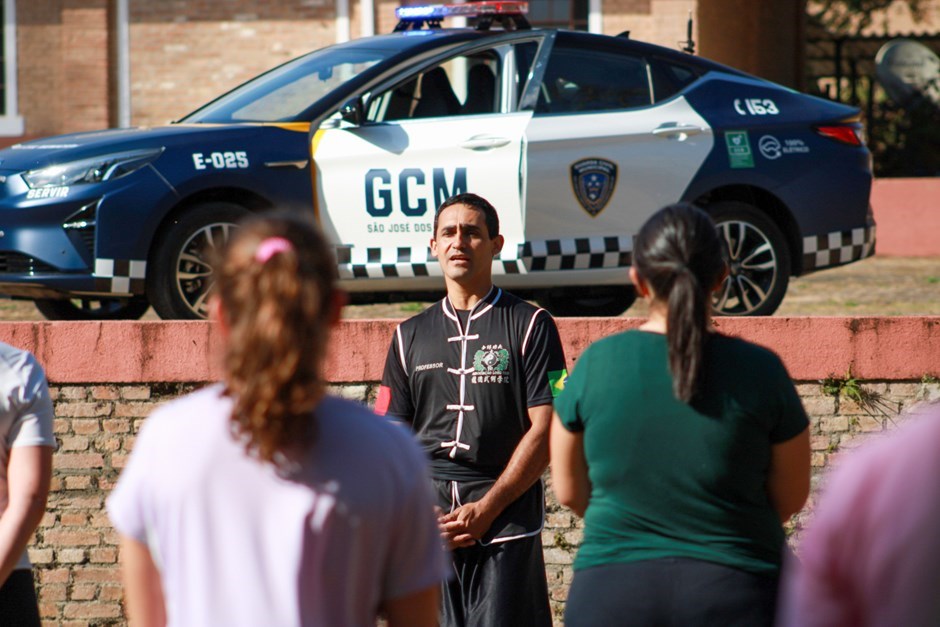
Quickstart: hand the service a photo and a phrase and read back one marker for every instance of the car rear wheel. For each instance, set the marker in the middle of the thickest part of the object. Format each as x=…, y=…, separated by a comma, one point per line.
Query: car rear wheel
x=758, y=258
x=181, y=276
x=93, y=308
x=611, y=302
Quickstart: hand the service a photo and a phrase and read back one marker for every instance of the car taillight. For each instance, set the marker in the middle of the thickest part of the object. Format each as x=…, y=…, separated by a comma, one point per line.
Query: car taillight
x=844, y=133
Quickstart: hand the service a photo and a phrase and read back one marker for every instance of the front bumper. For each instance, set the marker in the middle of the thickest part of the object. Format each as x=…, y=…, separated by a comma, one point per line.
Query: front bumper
x=52, y=247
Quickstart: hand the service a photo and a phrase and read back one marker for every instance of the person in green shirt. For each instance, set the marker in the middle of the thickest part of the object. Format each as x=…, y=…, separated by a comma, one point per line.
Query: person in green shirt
x=683, y=449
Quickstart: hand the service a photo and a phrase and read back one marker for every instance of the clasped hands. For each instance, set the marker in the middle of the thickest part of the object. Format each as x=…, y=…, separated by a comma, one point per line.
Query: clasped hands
x=464, y=525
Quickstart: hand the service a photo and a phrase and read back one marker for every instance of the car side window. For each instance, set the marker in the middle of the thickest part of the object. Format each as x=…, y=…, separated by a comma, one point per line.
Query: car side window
x=525, y=57
x=670, y=78
x=578, y=80
x=463, y=85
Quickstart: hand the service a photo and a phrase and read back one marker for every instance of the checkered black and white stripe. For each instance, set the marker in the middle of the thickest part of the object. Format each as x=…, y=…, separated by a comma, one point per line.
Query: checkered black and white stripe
x=378, y=263
x=580, y=253
x=120, y=276
x=535, y=256
x=838, y=247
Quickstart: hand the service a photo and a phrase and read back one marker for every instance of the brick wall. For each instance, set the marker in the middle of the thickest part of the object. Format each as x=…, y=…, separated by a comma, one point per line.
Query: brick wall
x=185, y=53
x=75, y=556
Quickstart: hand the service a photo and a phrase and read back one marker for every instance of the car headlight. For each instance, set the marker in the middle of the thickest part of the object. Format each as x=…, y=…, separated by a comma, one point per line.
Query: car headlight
x=91, y=170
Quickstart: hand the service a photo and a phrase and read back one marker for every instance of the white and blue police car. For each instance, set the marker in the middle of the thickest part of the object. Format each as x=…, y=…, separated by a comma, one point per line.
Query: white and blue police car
x=576, y=138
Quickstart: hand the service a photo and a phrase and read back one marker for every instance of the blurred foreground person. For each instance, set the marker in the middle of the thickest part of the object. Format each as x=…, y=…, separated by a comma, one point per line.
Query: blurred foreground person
x=871, y=554
x=26, y=447
x=263, y=500
x=684, y=449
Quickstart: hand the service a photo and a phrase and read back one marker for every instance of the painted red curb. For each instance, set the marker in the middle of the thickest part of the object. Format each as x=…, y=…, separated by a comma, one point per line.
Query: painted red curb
x=874, y=348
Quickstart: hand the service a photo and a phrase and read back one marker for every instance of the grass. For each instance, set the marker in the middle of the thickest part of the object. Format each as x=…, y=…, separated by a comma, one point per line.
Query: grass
x=849, y=387
x=413, y=308
x=846, y=386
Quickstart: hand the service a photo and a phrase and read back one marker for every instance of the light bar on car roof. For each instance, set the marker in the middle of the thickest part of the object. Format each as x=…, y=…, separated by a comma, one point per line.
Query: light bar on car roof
x=468, y=9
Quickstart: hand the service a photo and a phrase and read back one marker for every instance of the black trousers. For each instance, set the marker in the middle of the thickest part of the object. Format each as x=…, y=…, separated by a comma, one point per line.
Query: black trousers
x=500, y=585
x=18, y=605
x=672, y=592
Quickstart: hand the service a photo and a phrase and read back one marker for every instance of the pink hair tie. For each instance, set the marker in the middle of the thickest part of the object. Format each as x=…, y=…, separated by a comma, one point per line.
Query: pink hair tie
x=270, y=247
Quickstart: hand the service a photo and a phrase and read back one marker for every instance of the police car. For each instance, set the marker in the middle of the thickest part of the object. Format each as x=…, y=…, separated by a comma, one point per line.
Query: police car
x=576, y=138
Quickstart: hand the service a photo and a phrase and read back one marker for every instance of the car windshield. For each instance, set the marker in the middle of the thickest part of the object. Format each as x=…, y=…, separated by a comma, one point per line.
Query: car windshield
x=284, y=93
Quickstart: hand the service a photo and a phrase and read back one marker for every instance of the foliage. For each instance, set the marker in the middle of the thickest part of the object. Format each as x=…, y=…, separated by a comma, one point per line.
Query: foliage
x=849, y=387
x=846, y=386
x=851, y=17
x=562, y=542
x=904, y=141
x=902, y=136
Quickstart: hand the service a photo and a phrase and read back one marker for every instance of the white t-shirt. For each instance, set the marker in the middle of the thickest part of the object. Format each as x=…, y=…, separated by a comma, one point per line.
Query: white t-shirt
x=237, y=544
x=25, y=413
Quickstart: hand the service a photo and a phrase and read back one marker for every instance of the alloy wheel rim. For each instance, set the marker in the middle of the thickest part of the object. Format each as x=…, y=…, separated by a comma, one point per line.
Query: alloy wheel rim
x=752, y=269
x=195, y=276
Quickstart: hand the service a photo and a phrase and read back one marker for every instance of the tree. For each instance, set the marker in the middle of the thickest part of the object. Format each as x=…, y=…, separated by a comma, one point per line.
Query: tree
x=851, y=17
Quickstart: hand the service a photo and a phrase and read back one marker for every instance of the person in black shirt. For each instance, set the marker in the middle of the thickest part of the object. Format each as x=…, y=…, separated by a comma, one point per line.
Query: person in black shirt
x=474, y=376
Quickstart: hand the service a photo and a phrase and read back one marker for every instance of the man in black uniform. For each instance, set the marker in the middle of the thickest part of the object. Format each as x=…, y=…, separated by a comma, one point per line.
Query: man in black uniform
x=474, y=375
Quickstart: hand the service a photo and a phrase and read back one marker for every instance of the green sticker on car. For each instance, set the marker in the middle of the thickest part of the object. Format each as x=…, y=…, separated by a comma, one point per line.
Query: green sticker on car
x=739, y=149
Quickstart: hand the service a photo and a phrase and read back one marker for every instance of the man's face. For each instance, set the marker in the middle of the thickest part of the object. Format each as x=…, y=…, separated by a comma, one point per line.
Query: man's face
x=463, y=245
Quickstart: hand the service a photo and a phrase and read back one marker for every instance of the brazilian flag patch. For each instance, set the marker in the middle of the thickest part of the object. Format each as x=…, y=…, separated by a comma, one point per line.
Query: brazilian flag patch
x=556, y=379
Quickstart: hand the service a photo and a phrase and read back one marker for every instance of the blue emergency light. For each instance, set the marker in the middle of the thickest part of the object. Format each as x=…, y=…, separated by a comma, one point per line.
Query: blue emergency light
x=510, y=13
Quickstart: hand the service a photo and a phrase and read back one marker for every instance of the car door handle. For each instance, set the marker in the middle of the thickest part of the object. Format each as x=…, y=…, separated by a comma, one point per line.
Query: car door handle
x=300, y=165
x=677, y=130
x=484, y=142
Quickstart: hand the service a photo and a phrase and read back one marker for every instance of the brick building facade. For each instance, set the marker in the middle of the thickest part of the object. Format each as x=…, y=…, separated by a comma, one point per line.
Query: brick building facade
x=79, y=65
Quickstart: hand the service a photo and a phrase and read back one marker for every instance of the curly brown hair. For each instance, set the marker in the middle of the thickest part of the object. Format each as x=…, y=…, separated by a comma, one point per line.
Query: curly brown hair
x=277, y=309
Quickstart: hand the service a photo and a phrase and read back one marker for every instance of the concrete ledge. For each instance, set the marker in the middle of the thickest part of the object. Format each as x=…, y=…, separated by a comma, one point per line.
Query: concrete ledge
x=908, y=215
x=876, y=348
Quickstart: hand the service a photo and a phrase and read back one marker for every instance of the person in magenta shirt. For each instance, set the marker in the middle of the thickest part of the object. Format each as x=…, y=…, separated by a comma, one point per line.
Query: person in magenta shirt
x=871, y=553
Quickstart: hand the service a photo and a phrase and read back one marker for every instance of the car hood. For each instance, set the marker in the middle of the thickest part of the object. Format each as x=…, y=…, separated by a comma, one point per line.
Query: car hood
x=62, y=148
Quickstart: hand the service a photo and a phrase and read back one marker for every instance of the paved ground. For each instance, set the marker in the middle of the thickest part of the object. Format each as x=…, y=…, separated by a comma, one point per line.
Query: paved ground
x=882, y=286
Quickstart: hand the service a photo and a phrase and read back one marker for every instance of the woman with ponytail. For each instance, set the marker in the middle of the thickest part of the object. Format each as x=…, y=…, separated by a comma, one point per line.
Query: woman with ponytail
x=263, y=500
x=683, y=449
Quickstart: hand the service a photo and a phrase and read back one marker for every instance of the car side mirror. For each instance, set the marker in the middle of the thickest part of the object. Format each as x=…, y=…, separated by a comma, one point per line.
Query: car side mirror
x=353, y=111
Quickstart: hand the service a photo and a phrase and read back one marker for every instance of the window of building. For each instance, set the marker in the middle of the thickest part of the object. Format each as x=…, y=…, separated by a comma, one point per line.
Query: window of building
x=570, y=14
x=10, y=122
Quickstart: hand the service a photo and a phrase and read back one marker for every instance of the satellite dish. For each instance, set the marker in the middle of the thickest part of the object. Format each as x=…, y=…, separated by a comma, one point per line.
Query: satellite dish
x=908, y=70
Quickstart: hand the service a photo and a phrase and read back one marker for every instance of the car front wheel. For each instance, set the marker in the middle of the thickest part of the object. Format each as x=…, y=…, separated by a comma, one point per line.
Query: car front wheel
x=180, y=276
x=93, y=308
x=758, y=261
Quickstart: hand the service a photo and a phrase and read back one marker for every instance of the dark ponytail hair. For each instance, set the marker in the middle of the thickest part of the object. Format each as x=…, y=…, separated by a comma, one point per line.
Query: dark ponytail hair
x=679, y=254
x=276, y=281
